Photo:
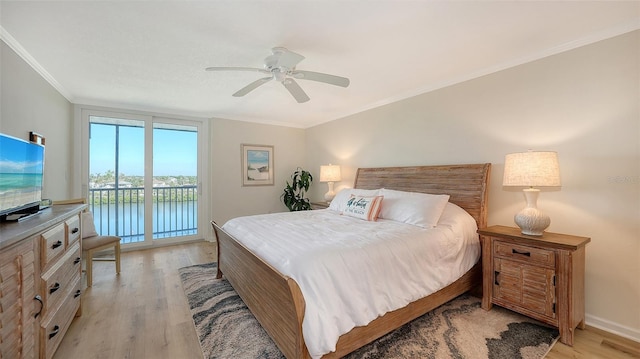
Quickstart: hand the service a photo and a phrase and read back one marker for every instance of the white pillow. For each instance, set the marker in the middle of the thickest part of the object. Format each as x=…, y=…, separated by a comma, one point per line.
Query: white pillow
x=363, y=207
x=340, y=200
x=420, y=209
x=88, y=227
x=455, y=215
x=462, y=224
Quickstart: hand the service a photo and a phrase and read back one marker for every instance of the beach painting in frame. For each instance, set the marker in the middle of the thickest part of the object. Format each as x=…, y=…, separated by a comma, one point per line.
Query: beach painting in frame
x=257, y=165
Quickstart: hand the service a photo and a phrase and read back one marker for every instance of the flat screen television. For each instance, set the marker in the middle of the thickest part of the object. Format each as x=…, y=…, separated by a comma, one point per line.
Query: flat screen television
x=21, y=175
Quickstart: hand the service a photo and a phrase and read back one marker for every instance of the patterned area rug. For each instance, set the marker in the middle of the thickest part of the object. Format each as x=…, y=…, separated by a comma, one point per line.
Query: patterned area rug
x=459, y=329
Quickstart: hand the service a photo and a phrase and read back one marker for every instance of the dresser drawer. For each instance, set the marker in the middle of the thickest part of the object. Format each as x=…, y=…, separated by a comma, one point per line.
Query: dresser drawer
x=57, y=280
x=52, y=244
x=526, y=254
x=73, y=230
x=54, y=326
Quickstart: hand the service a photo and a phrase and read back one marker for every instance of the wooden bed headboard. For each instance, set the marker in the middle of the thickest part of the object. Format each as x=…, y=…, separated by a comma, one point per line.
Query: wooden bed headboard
x=467, y=185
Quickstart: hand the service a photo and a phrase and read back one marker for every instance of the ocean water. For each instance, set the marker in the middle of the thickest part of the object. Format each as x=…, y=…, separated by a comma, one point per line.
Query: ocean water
x=20, y=181
x=19, y=189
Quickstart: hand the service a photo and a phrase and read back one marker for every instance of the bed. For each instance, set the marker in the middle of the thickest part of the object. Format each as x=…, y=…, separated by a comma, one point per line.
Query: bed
x=277, y=301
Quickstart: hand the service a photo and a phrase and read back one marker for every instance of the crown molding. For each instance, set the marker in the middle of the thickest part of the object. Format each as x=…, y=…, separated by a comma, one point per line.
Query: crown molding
x=24, y=54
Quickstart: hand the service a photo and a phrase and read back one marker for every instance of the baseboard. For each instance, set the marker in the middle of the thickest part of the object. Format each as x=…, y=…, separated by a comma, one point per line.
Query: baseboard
x=613, y=328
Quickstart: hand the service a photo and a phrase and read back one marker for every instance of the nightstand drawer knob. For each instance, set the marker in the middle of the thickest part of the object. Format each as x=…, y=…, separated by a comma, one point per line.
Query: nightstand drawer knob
x=515, y=251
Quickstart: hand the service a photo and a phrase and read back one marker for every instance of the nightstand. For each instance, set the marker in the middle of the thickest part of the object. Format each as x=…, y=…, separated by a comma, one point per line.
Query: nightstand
x=539, y=276
x=319, y=205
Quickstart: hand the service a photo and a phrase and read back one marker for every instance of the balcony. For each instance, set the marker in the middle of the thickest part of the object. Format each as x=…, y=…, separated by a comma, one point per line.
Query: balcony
x=121, y=212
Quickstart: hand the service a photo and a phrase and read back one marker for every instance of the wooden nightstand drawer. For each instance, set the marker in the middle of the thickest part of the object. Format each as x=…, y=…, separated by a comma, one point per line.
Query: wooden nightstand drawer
x=319, y=205
x=526, y=254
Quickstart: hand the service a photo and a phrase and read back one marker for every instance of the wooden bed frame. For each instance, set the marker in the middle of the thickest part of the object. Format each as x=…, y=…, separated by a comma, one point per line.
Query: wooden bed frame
x=276, y=300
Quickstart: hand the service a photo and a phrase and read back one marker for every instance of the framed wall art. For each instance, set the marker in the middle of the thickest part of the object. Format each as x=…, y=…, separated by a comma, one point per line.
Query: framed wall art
x=257, y=165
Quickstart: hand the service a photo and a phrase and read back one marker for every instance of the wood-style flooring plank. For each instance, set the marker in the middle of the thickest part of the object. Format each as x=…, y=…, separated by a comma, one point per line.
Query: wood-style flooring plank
x=143, y=313
x=588, y=344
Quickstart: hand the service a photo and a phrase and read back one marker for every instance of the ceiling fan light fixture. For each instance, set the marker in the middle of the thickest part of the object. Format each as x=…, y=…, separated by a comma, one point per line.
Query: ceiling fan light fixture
x=279, y=75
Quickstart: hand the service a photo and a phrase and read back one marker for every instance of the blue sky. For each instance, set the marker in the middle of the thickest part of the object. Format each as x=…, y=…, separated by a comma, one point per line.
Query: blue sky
x=257, y=156
x=174, y=152
x=20, y=157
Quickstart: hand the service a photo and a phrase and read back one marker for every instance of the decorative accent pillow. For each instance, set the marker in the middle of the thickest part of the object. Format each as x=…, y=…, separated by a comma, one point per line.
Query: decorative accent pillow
x=420, y=209
x=88, y=227
x=340, y=200
x=362, y=207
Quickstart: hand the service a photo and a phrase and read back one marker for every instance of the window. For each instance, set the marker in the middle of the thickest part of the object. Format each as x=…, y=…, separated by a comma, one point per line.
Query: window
x=143, y=176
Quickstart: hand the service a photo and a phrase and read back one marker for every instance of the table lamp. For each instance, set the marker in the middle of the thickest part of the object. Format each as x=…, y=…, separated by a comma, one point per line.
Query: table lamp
x=531, y=169
x=330, y=173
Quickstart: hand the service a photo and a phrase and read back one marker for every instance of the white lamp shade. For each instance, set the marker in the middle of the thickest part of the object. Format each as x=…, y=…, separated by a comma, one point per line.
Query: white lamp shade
x=330, y=173
x=531, y=169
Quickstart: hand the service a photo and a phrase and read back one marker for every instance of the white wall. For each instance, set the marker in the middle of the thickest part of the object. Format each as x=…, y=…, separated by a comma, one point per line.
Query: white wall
x=229, y=198
x=583, y=103
x=29, y=103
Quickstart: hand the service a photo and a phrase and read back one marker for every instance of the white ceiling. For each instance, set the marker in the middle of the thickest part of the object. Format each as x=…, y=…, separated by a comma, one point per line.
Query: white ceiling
x=151, y=56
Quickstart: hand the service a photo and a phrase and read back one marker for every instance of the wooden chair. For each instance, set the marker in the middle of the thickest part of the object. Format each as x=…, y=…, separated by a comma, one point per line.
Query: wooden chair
x=92, y=242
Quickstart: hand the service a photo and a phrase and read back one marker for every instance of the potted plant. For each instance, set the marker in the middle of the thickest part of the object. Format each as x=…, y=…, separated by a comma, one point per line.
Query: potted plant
x=294, y=194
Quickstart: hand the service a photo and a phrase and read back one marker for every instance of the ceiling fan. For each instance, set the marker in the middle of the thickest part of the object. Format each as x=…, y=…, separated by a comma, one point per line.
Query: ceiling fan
x=281, y=66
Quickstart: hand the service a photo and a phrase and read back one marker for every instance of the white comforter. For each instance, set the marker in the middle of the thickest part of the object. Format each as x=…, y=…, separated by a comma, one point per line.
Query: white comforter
x=352, y=271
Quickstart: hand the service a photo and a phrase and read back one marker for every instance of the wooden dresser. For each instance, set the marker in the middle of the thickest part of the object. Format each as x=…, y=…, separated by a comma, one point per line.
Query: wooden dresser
x=40, y=281
x=538, y=276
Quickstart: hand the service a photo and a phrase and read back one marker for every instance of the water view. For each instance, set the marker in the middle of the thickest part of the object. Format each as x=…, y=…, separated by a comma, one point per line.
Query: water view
x=118, y=188
x=127, y=220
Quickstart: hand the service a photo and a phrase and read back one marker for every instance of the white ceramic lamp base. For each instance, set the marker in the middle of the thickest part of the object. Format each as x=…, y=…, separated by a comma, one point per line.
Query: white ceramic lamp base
x=330, y=194
x=531, y=220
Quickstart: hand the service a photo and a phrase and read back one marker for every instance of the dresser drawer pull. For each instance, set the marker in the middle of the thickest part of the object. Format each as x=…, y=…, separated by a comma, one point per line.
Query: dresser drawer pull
x=55, y=331
x=515, y=251
x=75, y=230
x=54, y=287
x=77, y=293
x=39, y=299
x=77, y=260
x=495, y=278
x=56, y=245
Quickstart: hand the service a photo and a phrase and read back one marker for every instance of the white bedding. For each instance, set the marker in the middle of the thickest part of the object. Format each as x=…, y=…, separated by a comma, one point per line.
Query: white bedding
x=352, y=271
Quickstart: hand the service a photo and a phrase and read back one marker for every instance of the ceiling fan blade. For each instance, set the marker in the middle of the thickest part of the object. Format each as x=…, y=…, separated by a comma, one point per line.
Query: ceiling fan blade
x=320, y=77
x=252, y=69
x=252, y=86
x=295, y=90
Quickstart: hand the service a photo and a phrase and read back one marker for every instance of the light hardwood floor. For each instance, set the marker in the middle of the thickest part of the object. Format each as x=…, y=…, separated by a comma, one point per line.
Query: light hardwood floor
x=143, y=313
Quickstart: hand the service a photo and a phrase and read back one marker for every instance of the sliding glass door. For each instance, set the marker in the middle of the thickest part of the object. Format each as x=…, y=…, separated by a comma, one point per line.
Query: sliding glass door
x=175, y=180
x=116, y=177
x=144, y=176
